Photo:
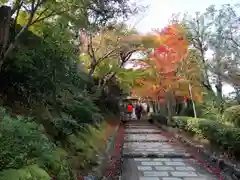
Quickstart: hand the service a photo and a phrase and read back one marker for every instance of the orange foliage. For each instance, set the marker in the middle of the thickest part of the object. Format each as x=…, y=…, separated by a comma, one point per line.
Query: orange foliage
x=165, y=59
x=173, y=48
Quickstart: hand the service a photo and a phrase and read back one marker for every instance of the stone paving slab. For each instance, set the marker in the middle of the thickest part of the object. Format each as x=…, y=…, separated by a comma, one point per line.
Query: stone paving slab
x=154, y=157
x=142, y=137
x=157, y=132
x=144, y=145
x=146, y=130
x=168, y=169
x=157, y=148
x=145, y=140
x=139, y=127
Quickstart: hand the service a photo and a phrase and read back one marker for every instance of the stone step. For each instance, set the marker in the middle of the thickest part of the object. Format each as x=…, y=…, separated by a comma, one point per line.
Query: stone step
x=144, y=137
x=142, y=126
x=156, y=155
x=142, y=130
x=159, y=132
x=139, y=128
x=149, y=155
x=151, y=145
x=164, y=169
x=147, y=141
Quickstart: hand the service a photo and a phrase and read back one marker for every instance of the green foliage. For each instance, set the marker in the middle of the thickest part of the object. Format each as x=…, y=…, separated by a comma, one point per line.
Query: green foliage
x=59, y=165
x=38, y=70
x=66, y=125
x=83, y=110
x=209, y=109
x=232, y=115
x=22, y=142
x=159, y=118
x=127, y=77
x=32, y=172
x=226, y=137
x=43, y=71
x=187, y=110
x=180, y=122
x=89, y=143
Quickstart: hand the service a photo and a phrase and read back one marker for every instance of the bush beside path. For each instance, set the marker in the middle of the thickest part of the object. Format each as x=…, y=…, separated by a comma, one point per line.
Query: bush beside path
x=216, y=141
x=28, y=153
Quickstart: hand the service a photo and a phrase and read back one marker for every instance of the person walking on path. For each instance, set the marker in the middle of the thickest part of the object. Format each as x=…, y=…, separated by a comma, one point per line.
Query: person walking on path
x=129, y=110
x=138, y=111
x=122, y=110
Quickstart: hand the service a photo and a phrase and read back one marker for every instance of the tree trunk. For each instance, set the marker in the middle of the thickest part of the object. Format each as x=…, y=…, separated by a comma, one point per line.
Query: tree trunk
x=7, y=51
x=193, y=104
x=237, y=90
x=5, y=20
x=92, y=69
x=169, y=111
x=170, y=105
x=219, y=94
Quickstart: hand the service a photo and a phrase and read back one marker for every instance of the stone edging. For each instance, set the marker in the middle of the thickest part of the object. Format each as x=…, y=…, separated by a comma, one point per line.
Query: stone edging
x=113, y=137
x=217, y=161
x=99, y=170
x=112, y=164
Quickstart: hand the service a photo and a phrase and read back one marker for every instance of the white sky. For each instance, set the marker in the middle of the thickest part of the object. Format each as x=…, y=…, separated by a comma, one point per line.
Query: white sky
x=159, y=12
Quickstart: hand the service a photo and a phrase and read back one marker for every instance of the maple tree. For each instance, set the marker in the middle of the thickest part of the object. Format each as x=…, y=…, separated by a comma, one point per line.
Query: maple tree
x=112, y=45
x=170, y=73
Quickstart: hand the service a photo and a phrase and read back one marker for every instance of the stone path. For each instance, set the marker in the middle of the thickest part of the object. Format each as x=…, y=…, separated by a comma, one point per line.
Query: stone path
x=148, y=155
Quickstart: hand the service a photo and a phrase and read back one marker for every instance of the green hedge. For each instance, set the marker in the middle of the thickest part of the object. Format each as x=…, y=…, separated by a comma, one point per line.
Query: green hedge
x=159, y=118
x=232, y=115
x=226, y=137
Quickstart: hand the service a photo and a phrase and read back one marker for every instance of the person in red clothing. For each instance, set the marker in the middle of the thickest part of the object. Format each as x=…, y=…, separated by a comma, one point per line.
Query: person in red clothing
x=129, y=110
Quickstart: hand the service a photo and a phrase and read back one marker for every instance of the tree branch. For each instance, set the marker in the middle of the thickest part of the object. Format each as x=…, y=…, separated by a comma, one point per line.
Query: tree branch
x=16, y=7
x=53, y=13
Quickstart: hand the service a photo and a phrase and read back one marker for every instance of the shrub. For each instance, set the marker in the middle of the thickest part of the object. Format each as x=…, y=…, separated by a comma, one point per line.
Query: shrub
x=232, y=115
x=179, y=122
x=32, y=172
x=22, y=142
x=225, y=137
x=66, y=125
x=83, y=110
x=59, y=165
x=159, y=118
x=89, y=143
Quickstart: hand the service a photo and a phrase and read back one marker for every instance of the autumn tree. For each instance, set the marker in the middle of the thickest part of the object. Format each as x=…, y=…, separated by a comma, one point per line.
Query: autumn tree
x=107, y=52
x=162, y=64
x=80, y=14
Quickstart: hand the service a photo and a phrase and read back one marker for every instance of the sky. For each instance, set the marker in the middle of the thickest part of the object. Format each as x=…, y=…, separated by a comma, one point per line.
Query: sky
x=158, y=13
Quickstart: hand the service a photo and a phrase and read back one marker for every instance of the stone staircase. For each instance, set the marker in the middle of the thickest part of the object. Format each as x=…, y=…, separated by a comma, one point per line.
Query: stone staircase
x=148, y=154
